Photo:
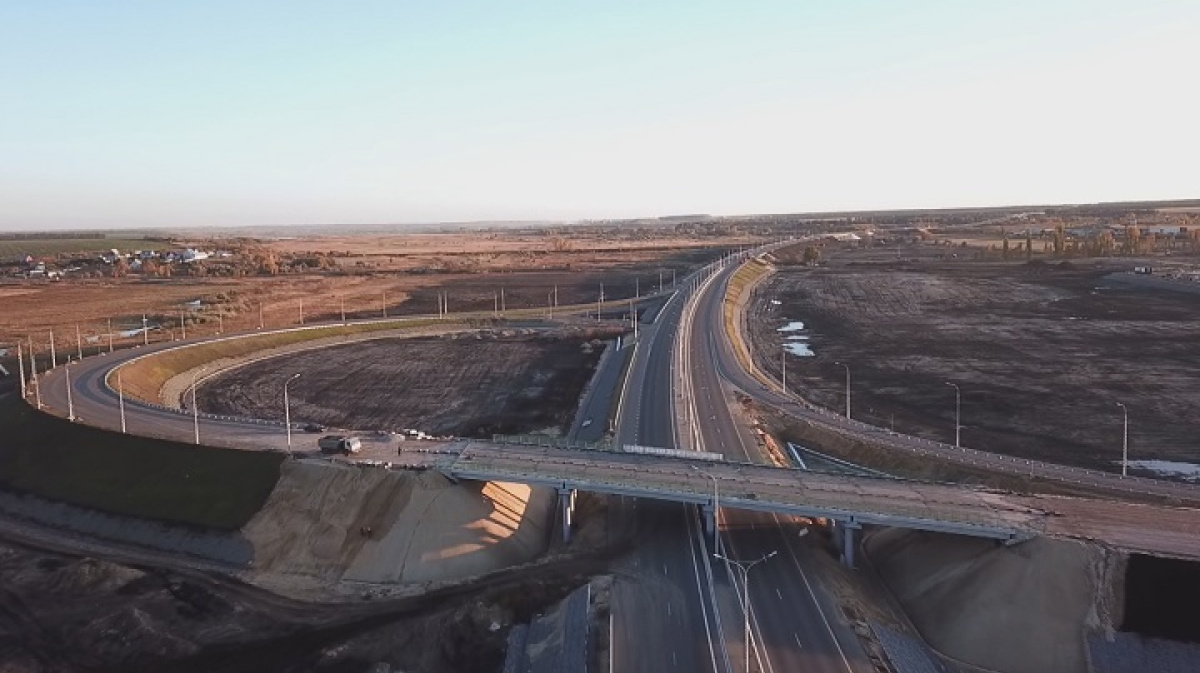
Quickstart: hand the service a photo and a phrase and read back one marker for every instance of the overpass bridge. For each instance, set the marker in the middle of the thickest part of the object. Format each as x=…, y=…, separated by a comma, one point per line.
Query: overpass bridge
x=849, y=501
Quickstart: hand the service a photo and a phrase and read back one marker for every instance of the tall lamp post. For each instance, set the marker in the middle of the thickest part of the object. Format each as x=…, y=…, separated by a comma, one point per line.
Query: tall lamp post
x=957, y=413
x=1124, y=441
x=847, y=386
x=287, y=411
x=195, y=407
x=745, y=568
x=70, y=402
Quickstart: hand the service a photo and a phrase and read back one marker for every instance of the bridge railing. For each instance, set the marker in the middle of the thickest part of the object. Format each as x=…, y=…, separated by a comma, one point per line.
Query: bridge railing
x=605, y=444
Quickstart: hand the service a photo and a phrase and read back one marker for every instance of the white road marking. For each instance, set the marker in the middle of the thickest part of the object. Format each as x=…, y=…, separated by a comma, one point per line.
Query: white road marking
x=779, y=593
x=668, y=608
x=797, y=637
x=664, y=568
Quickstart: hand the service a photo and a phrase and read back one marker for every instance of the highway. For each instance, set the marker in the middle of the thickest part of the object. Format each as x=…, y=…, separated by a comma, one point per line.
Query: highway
x=661, y=616
x=795, y=623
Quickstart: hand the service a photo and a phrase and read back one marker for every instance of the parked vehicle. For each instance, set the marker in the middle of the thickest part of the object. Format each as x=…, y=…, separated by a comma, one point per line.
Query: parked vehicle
x=314, y=427
x=339, y=444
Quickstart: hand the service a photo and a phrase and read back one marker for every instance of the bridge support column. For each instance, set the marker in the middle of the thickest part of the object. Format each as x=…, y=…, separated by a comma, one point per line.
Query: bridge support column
x=709, y=513
x=566, y=509
x=844, y=534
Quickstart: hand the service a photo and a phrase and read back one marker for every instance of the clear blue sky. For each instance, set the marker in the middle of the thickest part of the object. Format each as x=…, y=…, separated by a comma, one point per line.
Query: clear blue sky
x=152, y=113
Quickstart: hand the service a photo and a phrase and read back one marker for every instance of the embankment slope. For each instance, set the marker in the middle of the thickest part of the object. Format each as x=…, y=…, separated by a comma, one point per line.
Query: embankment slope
x=1020, y=609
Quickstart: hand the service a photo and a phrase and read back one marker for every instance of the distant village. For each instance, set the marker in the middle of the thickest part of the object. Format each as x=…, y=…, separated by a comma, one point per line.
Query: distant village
x=113, y=263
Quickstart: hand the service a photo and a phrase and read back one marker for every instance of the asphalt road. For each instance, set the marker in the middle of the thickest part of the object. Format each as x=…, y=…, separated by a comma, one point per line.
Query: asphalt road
x=796, y=625
x=661, y=618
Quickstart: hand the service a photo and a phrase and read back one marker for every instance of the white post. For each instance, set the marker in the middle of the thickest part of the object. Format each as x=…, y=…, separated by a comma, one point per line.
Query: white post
x=302, y=311
x=384, y=304
x=1124, y=441
x=110, y=336
x=502, y=309
x=183, y=328
x=260, y=316
x=53, y=354
x=145, y=331
x=78, y=341
x=343, y=300
x=121, y=399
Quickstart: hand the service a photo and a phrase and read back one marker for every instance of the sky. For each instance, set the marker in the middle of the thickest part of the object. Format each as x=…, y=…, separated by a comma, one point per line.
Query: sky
x=210, y=113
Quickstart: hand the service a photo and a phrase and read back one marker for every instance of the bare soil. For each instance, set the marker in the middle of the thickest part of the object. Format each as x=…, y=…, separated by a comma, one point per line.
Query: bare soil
x=1042, y=352
x=66, y=614
x=470, y=386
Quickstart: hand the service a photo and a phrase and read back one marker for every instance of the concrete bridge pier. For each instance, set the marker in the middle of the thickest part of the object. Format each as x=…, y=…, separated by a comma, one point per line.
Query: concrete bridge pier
x=843, y=537
x=709, y=514
x=566, y=509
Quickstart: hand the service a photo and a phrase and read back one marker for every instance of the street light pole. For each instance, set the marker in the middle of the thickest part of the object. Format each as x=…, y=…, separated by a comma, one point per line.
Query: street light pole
x=121, y=400
x=287, y=411
x=70, y=402
x=1125, y=441
x=957, y=414
x=195, y=407
x=847, y=387
x=745, y=568
x=783, y=359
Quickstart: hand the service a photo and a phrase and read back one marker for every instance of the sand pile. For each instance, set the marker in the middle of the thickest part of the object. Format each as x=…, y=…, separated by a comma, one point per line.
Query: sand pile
x=1020, y=609
x=336, y=522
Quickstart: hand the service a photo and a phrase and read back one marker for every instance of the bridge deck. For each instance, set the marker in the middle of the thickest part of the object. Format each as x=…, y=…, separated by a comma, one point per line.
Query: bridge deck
x=938, y=507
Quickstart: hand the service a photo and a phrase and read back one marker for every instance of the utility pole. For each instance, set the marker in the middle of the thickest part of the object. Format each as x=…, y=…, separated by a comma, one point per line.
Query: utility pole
x=301, y=311
x=633, y=318
x=637, y=287
x=145, y=331
x=599, y=301
x=556, y=295
x=182, y=326
x=78, y=341
x=502, y=308
x=342, y=297
x=660, y=281
x=53, y=355
x=110, y=336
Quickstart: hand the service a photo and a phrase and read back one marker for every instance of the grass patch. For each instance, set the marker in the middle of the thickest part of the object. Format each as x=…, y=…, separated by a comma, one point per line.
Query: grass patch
x=134, y=476
x=736, y=296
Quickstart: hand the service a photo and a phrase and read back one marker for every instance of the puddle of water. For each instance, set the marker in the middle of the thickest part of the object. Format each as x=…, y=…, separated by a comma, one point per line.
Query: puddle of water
x=794, y=326
x=1169, y=468
x=799, y=349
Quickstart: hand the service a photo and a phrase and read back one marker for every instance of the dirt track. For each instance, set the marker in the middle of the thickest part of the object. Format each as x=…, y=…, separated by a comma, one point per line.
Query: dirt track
x=1042, y=352
x=473, y=385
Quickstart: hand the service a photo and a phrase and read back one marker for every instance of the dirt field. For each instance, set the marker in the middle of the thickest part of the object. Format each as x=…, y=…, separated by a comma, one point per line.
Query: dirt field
x=1042, y=352
x=67, y=614
x=470, y=386
x=33, y=308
